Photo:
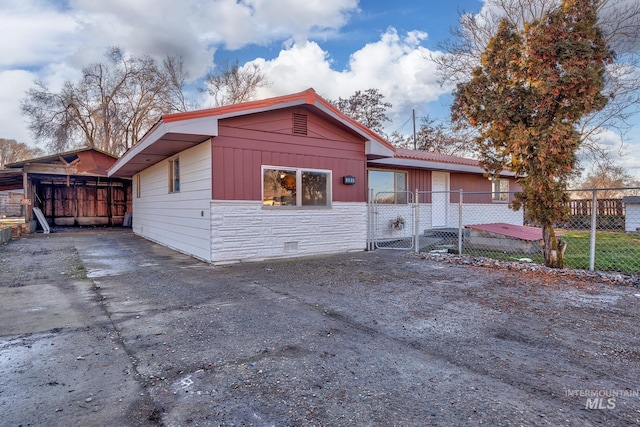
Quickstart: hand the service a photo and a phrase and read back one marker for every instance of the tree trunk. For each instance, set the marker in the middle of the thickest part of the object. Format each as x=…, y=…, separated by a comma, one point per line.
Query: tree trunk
x=552, y=247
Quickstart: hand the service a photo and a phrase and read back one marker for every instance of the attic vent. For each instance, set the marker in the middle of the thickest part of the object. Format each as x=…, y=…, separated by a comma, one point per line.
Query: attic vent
x=299, y=124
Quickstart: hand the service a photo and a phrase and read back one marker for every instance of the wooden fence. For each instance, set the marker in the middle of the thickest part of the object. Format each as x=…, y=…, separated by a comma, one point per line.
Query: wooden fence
x=604, y=207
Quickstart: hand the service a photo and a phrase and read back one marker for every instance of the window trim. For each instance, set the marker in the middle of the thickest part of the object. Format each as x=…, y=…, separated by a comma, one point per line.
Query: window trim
x=173, y=177
x=299, y=172
x=498, y=194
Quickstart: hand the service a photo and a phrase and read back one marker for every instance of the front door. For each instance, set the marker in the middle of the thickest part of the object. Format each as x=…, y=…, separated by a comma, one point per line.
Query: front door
x=439, y=199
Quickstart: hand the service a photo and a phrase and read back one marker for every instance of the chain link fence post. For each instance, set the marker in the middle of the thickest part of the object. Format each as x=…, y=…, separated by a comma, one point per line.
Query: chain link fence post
x=594, y=225
x=460, y=225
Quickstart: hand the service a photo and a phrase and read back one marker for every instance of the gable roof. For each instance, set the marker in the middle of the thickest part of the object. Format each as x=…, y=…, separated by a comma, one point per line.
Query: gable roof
x=430, y=160
x=176, y=132
x=62, y=158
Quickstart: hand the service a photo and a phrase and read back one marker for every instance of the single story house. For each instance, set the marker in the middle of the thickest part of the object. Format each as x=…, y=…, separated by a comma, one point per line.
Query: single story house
x=70, y=188
x=281, y=177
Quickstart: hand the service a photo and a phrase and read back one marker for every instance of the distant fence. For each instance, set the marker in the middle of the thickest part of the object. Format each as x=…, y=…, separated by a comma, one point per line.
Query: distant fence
x=603, y=207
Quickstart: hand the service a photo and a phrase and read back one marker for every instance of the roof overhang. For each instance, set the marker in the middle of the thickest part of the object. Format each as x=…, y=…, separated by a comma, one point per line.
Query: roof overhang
x=177, y=132
x=431, y=165
x=164, y=140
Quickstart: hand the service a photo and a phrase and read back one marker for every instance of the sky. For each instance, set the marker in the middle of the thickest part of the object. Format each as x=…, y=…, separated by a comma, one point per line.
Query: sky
x=333, y=46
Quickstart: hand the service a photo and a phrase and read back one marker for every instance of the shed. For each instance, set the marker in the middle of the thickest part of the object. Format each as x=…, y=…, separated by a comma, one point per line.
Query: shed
x=632, y=214
x=70, y=188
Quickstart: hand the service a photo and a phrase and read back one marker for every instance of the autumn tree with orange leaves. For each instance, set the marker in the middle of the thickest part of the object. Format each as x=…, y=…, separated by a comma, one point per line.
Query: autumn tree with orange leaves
x=526, y=99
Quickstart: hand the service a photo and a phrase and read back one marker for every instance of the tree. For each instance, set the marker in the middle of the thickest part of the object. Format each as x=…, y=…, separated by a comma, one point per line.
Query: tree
x=12, y=151
x=437, y=137
x=367, y=108
x=526, y=100
x=233, y=84
x=112, y=105
x=620, y=24
x=609, y=178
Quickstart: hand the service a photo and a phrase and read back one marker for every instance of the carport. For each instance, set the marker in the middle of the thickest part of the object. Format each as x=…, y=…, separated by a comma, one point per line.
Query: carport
x=71, y=189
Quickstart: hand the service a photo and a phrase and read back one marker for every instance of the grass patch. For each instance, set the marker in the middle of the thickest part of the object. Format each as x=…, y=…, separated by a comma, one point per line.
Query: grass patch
x=79, y=272
x=615, y=251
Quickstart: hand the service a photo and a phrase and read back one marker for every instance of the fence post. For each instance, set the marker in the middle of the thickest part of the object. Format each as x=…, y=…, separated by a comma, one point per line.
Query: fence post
x=416, y=221
x=460, y=223
x=368, y=219
x=592, y=245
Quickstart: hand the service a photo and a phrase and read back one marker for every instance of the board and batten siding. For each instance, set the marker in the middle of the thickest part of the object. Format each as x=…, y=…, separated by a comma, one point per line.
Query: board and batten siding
x=247, y=143
x=245, y=231
x=179, y=220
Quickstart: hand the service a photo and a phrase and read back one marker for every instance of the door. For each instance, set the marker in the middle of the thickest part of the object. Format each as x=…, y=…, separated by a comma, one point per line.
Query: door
x=439, y=199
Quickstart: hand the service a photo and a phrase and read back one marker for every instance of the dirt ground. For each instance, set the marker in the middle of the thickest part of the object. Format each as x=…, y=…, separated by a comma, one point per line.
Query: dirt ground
x=105, y=328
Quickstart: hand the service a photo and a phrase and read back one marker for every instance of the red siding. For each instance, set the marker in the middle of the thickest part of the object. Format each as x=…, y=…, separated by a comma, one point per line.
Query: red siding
x=246, y=143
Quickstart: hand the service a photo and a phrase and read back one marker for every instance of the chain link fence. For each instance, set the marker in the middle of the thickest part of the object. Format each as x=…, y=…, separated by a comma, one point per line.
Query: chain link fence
x=602, y=230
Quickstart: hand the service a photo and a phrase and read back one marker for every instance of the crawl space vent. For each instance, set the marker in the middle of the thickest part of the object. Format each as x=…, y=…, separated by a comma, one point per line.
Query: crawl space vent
x=299, y=124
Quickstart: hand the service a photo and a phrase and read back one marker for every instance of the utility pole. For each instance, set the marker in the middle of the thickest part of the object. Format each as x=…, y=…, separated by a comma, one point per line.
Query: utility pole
x=415, y=145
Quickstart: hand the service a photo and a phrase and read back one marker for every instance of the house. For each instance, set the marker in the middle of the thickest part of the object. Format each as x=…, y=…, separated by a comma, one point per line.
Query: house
x=632, y=214
x=70, y=188
x=281, y=177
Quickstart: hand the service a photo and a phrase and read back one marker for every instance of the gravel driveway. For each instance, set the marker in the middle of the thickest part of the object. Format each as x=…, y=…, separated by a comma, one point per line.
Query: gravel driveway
x=105, y=328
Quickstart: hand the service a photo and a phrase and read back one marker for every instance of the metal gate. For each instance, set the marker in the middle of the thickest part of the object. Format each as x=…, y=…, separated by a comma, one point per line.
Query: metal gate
x=391, y=220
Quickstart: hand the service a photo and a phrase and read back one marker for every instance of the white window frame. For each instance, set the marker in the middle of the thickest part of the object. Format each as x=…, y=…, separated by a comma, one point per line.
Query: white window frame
x=299, y=172
x=174, y=178
x=500, y=190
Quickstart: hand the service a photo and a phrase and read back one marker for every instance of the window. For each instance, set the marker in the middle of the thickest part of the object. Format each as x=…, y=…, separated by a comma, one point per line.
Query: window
x=388, y=186
x=138, y=186
x=500, y=190
x=295, y=187
x=174, y=175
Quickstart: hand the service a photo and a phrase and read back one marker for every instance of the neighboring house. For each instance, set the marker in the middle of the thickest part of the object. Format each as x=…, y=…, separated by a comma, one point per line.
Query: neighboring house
x=281, y=177
x=70, y=188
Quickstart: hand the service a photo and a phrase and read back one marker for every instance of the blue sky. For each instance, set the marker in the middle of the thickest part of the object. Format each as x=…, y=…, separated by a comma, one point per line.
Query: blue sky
x=334, y=46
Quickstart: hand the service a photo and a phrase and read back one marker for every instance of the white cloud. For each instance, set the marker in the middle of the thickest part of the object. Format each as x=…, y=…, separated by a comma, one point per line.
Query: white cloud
x=34, y=33
x=13, y=84
x=195, y=29
x=397, y=66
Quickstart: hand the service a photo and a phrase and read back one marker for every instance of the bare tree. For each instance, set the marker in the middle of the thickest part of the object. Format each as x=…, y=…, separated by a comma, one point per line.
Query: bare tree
x=620, y=23
x=232, y=84
x=112, y=105
x=367, y=108
x=12, y=151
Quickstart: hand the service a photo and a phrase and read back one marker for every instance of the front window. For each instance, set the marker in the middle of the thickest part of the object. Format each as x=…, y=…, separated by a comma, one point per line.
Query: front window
x=388, y=186
x=295, y=187
x=174, y=175
x=500, y=190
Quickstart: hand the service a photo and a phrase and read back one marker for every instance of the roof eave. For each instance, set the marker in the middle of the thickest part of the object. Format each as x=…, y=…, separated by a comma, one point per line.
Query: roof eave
x=426, y=164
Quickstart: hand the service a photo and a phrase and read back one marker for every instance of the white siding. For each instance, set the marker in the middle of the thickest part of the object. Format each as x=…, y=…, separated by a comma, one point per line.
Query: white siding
x=179, y=220
x=245, y=231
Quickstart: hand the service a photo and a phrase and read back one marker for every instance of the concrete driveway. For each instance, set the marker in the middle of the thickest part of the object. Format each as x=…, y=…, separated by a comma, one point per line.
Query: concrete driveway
x=105, y=328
